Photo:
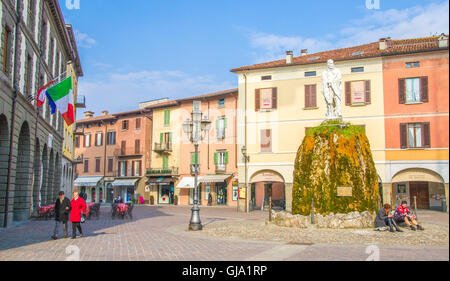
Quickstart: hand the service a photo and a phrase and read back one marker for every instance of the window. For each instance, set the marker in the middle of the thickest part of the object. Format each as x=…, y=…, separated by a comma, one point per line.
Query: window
x=138, y=123
x=86, y=165
x=136, y=168
x=28, y=75
x=221, y=125
x=265, y=99
x=221, y=160
x=99, y=139
x=97, y=165
x=6, y=50
x=111, y=138
x=77, y=142
x=310, y=96
x=266, y=140
x=412, y=64
x=124, y=125
x=87, y=140
x=110, y=164
x=415, y=135
x=357, y=92
x=358, y=69
x=167, y=118
x=123, y=147
x=267, y=77
x=413, y=90
x=137, y=146
x=310, y=74
x=221, y=103
x=165, y=138
x=51, y=53
x=123, y=168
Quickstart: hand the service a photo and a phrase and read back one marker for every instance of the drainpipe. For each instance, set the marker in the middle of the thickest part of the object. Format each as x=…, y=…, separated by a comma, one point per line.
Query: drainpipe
x=245, y=143
x=13, y=110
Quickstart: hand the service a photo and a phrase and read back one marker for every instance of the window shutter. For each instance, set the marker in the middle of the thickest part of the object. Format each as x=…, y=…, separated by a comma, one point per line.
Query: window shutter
x=224, y=122
x=424, y=89
x=170, y=137
x=226, y=157
x=348, y=93
x=367, y=92
x=307, y=96
x=216, y=158
x=137, y=144
x=313, y=96
x=426, y=135
x=161, y=137
x=402, y=91
x=274, y=98
x=132, y=168
x=107, y=139
x=126, y=168
x=90, y=141
x=257, y=99
x=403, y=136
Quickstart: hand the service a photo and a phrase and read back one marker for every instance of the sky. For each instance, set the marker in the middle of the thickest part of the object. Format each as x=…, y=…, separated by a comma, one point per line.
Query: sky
x=139, y=50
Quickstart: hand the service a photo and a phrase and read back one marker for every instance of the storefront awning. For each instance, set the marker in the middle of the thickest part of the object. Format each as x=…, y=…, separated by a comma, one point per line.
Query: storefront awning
x=124, y=182
x=215, y=178
x=159, y=181
x=87, y=181
x=188, y=182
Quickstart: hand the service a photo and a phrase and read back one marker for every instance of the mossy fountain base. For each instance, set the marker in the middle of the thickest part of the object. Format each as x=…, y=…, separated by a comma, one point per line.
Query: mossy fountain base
x=333, y=156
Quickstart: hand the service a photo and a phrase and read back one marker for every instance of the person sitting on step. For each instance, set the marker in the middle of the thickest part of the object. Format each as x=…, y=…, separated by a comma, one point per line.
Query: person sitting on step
x=403, y=214
x=384, y=219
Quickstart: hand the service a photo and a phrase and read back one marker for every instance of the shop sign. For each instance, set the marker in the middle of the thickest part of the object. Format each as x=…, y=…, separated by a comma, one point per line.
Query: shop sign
x=242, y=193
x=235, y=190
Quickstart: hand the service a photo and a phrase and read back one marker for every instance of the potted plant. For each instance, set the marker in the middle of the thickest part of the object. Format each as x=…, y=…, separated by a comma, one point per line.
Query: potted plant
x=152, y=200
x=175, y=200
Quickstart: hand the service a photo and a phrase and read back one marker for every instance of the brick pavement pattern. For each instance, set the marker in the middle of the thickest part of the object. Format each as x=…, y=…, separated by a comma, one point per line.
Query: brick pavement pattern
x=160, y=234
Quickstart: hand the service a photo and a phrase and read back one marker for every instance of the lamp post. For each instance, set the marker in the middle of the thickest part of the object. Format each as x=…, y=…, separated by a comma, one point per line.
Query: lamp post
x=194, y=129
x=246, y=159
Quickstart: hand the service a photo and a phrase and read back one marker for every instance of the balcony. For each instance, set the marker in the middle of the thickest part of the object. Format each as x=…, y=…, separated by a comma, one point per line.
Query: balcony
x=221, y=168
x=78, y=131
x=165, y=147
x=80, y=102
x=193, y=169
x=78, y=160
x=171, y=171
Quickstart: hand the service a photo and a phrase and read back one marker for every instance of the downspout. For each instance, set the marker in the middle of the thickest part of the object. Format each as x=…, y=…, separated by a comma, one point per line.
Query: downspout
x=13, y=111
x=245, y=143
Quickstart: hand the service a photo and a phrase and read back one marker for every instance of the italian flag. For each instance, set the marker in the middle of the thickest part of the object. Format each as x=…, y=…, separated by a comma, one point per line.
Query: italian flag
x=61, y=95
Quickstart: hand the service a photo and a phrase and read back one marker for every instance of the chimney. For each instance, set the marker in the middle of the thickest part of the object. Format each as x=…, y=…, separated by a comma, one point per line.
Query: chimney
x=88, y=114
x=289, y=57
x=383, y=44
x=443, y=41
x=304, y=52
x=105, y=112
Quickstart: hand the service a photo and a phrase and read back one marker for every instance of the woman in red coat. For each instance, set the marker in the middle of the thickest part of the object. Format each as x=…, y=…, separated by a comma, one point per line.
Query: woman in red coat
x=78, y=207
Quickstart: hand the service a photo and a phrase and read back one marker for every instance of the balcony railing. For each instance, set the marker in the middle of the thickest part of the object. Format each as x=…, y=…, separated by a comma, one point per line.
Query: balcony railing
x=80, y=102
x=193, y=168
x=162, y=171
x=221, y=168
x=163, y=147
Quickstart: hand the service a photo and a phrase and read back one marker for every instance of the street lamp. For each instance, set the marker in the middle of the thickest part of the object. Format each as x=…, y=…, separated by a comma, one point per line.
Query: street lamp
x=194, y=129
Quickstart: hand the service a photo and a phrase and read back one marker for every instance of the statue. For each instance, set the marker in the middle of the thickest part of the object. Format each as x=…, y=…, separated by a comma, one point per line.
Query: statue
x=332, y=90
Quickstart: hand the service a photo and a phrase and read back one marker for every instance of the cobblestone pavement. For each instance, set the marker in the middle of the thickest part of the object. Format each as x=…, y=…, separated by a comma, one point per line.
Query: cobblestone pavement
x=159, y=233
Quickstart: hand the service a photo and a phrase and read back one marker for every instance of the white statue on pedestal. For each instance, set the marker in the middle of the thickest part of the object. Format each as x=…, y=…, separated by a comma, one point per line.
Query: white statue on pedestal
x=332, y=90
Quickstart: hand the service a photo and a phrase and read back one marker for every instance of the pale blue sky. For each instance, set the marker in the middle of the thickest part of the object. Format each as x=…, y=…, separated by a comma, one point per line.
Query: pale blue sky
x=138, y=50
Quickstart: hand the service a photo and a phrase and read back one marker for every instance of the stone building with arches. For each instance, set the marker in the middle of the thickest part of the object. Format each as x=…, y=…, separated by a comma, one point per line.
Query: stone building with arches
x=35, y=48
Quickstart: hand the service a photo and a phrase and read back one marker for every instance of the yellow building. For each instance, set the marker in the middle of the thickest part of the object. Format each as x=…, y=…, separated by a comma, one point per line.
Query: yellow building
x=68, y=149
x=279, y=101
x=166, y=136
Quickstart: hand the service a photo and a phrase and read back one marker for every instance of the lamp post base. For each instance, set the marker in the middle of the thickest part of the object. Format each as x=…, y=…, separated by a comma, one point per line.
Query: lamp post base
x=195, y=227
x=195, y=223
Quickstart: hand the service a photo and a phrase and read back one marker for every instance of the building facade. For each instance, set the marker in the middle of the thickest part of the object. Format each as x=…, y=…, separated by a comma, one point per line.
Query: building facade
x=217, y=152
x=35, y=48
x=280, y=100
x=416, y=88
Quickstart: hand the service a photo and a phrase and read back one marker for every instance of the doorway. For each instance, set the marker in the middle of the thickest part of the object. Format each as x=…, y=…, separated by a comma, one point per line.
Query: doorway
x=420, y=191
x=221, y=193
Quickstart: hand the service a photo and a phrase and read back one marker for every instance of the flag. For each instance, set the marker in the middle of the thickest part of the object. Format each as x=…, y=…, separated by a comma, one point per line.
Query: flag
x=60, y=96
x=40, y=99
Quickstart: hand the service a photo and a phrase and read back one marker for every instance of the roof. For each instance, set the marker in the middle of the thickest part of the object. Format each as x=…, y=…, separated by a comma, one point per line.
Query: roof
x=395, y=47
x=98, y=118
x=221, y=93
x=163, y=104
x=78, y=67
x=136, y=111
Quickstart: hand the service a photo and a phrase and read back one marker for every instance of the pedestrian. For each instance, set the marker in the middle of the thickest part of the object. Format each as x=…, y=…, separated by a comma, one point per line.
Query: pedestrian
x=78, y=207
x=403, y=214
x=384, y=219
x=62, y=210
x=210, y=199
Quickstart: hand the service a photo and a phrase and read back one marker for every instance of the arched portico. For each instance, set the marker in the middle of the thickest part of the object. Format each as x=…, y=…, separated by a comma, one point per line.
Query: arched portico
x=22, y=185
x=263, y=184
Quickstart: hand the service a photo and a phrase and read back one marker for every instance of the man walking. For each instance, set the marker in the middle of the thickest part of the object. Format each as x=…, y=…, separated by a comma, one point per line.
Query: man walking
x=78, y=207
x=62, y=209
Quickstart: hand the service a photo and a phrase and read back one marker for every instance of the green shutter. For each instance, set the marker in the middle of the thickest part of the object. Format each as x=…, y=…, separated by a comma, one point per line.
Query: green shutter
x=165, y=162
x=224, y=122
x=226, y=157
x=161, y=137
x=192, y=158
x=167, y=117
x=216, y=158
x=170, y=137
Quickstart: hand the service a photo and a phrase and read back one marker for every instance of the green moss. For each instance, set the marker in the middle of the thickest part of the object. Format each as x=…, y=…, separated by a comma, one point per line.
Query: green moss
x=331, y=155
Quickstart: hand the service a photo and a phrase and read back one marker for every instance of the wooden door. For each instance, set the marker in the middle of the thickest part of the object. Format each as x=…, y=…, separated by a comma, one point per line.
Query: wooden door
x=420, y=190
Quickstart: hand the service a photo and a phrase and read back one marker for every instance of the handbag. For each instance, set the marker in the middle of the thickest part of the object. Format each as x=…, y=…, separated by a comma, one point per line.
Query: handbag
x=83, y=218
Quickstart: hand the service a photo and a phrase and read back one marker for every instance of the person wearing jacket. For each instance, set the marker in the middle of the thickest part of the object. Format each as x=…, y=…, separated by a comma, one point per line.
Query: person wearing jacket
x=62, y=209
x=384, y=219
x=78, y=207
x=403, y=214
